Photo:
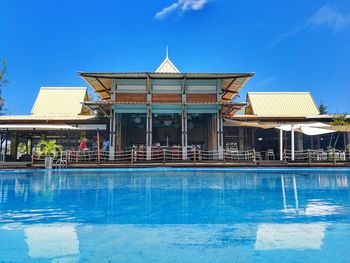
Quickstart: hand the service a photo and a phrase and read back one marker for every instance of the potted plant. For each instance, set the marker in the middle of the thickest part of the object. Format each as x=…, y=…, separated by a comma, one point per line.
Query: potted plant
x=49, y=149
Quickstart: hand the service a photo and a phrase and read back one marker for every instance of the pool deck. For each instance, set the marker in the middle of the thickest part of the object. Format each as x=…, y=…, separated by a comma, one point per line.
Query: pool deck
x=281, y=164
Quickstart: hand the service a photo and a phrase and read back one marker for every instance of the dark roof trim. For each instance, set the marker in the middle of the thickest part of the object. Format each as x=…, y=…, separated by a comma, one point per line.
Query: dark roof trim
x=144, y=75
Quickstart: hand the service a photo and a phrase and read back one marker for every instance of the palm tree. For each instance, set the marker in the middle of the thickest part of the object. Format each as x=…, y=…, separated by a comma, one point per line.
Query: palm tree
x=48, y=148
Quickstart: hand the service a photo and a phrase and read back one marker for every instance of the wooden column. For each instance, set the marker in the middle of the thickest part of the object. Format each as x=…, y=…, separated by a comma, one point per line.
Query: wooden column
x=98, y=147
x=14, y=145
x=220, y=135
x=149, y=133
x=112, y=123
x=241, y=138
x=184, y=132
x=149, y=119
x=281, y=145
x=184, y=121
x=212, y=133
x=112, y=136
x=219, y=124
x=118, y=132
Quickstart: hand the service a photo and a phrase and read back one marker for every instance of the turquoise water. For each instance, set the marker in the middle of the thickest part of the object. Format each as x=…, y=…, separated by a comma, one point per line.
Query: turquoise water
x=175, y=215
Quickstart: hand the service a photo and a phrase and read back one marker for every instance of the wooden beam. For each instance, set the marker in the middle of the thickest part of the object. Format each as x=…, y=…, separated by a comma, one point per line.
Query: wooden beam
x=231, y=82
x=106, y=90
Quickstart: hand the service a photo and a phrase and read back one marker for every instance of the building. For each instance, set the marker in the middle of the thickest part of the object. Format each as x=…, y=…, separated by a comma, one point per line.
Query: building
x=146, y=111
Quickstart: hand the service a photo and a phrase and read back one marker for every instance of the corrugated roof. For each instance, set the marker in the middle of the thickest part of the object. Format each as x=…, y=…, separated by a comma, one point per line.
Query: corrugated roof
x=50, y=117
x=281, y=104
x=59, y=101
x=102, y=82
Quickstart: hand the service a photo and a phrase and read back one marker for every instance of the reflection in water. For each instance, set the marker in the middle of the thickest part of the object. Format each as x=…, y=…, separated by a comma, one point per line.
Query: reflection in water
x=200, y=215
x=290, y=236
x=312, y=207
x=52, y=241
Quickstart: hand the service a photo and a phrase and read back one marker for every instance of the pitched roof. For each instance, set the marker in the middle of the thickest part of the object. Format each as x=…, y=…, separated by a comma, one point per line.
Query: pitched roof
x=101, y=82
x=59, y=101
x=281, y=104
x=167, y=66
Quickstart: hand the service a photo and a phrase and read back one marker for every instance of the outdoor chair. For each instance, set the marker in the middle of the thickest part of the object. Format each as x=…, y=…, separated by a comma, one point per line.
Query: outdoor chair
x=270, y=154
x=258, y=156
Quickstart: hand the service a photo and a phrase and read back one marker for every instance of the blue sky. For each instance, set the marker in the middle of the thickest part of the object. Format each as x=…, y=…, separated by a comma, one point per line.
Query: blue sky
x=291, y=45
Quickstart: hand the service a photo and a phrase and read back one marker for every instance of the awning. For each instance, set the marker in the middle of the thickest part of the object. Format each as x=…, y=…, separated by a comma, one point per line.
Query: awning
x=30, y=127
x=308, y=128
x=315, y=128
x=261, y=125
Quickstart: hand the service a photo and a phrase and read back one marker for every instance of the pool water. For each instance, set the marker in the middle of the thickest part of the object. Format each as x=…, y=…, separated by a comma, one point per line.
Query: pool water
x=175, y=215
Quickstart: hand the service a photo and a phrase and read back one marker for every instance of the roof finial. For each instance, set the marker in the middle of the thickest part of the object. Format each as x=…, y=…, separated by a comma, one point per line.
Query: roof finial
x=167, y=66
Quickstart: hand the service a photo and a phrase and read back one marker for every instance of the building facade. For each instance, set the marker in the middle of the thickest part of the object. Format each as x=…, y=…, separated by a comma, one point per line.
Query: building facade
x=167, y=109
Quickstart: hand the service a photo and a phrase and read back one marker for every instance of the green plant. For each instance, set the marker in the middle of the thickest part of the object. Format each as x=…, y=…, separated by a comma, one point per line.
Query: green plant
x=22, y=148
x=339, y=120
x=48, y=148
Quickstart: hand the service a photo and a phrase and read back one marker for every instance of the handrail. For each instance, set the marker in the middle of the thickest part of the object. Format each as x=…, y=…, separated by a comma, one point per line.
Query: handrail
x=170, y=155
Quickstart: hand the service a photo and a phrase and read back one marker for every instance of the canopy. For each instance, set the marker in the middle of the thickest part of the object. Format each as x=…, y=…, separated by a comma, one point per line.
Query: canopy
x=308, y=128
x=26, y=127
x=315, y=128
x=261, y=125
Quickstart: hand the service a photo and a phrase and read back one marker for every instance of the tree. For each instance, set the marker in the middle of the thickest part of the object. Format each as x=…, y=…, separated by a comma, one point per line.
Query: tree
x=340, y=120
x=323, y=108
x=3, y=83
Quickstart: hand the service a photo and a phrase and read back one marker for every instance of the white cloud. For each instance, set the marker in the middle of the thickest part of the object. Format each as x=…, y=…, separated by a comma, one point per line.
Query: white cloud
x=181, y=6
x=329, y=16
x=326, y=16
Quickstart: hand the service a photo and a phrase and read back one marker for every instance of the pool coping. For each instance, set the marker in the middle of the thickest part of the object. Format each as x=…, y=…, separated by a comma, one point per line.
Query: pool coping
x=159, y=169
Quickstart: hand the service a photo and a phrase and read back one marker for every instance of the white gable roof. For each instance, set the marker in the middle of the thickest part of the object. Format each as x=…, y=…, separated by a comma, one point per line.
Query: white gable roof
x=167, y=66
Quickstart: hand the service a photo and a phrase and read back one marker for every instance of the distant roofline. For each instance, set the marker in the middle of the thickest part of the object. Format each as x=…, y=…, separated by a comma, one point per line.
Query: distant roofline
x=279, y=92
x=162, y=75
x=64, y=88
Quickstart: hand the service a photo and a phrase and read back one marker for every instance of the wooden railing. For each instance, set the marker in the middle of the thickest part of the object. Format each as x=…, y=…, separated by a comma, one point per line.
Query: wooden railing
x=195, y=156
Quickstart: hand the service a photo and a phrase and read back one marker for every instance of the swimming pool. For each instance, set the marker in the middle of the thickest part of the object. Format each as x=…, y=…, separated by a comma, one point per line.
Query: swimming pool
x=175, y=215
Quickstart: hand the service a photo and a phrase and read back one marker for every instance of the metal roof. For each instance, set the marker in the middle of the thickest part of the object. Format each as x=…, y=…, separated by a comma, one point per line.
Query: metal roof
x=50, y=117
x=281, y=104
x=231, y=83
x=55, y=104
x=59, y=101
